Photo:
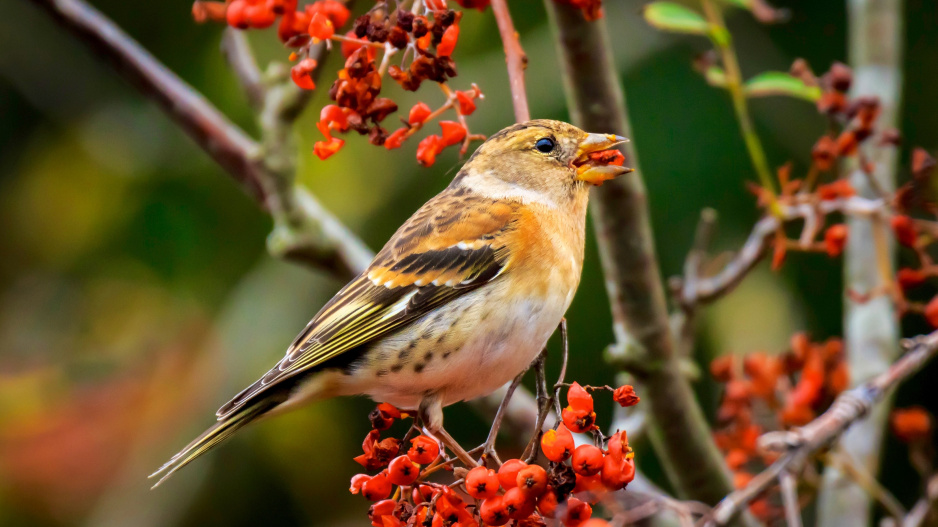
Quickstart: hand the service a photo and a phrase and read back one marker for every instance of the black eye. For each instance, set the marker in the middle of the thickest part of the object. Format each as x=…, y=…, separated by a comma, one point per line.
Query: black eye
x=545, y=145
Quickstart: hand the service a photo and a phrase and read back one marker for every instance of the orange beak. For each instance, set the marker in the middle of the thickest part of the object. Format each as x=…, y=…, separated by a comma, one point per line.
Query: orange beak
x=592, y=171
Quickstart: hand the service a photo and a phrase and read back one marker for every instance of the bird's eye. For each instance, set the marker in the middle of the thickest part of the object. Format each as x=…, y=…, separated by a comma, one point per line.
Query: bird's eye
x=544, y=145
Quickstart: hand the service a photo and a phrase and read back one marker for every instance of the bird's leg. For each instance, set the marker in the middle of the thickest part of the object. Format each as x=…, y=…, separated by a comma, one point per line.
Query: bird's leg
x=488, y=448
x=431, y=415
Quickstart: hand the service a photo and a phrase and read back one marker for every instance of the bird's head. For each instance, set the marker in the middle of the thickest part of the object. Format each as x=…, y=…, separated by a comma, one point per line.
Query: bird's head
x=541, y=157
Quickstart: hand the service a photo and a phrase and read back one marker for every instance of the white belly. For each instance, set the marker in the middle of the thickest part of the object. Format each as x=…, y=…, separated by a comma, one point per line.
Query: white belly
x=498, y=336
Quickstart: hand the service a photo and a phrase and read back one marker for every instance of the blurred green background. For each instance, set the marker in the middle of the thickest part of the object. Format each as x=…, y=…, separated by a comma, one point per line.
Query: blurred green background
x=136, y=295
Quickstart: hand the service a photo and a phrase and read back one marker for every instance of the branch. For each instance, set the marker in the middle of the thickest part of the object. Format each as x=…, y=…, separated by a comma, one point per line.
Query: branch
x=692, y=290
x=515, y=58
x=797, y=446
x=319, y=239
x=630, y=265
x=871, y=329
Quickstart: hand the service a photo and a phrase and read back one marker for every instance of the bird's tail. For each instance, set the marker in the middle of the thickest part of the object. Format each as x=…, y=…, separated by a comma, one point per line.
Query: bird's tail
x=213, y=436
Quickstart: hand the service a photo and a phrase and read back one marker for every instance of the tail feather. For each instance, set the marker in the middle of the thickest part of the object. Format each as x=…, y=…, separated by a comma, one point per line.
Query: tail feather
x=220, y=431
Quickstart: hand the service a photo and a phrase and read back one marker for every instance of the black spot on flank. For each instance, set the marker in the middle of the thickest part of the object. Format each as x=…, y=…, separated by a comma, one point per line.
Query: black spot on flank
x=397, y=367
x=447, y=354
x=442, y=338
x=427, y=356
x=381, y=373
x=419, y=367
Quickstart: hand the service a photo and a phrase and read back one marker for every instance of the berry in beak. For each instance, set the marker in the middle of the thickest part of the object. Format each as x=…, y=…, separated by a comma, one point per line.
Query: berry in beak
x=595, y=162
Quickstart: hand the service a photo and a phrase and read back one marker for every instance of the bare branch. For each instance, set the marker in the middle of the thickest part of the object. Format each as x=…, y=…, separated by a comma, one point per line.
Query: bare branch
x=630, y=264
x=237, y=51
x=800, y=444
x=515, y=58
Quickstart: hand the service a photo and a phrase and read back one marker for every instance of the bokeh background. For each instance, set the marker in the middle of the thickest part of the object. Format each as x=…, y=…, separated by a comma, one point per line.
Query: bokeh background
x=136, y=295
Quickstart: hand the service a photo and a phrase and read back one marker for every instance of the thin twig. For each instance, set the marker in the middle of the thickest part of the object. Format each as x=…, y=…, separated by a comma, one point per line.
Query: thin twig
x=515, y=58
x=798, y=445
x=789, y=486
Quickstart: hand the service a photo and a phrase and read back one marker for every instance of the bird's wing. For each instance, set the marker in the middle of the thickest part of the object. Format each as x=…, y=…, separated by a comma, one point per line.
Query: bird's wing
x=452, y=245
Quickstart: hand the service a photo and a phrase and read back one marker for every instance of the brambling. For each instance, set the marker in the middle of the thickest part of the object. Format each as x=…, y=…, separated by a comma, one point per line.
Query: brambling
x=459, y=301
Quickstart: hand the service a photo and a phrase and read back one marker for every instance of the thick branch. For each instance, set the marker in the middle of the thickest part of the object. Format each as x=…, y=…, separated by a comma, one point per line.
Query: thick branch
x=678, y=429
x=515, y=58
x=870, y=328
x=319, y=239
x=799, y=445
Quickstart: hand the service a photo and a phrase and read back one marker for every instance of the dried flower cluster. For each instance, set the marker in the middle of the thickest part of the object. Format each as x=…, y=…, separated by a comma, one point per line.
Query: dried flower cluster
x=563, y=492
x=773, y=392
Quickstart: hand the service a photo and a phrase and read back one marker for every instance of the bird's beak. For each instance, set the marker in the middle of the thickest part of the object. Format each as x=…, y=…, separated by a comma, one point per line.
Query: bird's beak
x=595, y=170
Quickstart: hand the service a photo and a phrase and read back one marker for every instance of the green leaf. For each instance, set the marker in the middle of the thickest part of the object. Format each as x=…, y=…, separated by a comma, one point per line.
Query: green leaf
x=669, y=16
x=715, y=76
x=777, y=83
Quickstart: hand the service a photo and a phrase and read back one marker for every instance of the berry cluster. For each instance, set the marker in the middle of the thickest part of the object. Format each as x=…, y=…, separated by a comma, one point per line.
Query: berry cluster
x=519, y=491
x=427, y=34
x=776, y=392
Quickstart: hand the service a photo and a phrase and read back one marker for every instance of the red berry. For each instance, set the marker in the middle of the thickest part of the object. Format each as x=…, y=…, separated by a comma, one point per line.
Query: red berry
x=579, y=399
x=625, y=395
x=377, y=488
x=578, y=512
x=237, y=15
x=419, y=113
x=428, y=149
x=547, y=503
x=259, y=16
x=320, y=27
x=325, y=149
x=300, y=73
x=448, y=42
x=587, y=460
x=453, y=132
x=482, y=483
x=395, y=139
x=906, y=234
x=467, y=103
x=931, y=312
x=508, y=473
x=532, y=480
x=403, y=471
x=618, y=445
x=357, y=481
x=617, y=472
x=835, y=239
x=557, y=445
x=909, y=278
x=493, y=511
x=424, y=450
x=380, y=509
x=517, y=504
x=578, y=420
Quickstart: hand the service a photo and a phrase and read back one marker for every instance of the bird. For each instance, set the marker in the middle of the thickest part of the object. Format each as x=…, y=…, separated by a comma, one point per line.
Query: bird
x=460, y=300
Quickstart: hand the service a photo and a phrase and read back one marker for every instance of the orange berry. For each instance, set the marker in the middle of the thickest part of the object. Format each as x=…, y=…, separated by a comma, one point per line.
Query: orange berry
x=403, y=471
x=300, y=73
x=508, y=473
x=578, y=420
x=587, y=460
x=453, y=132
x=236, y=15
x=419, y=113
x=835, y=239
x=557, y=445
x=618, y=444
x=428, y=149
x=357, y=481
x=910, y=424
x=906, y=234
x=625, y=396
x=377, y=488
x=578, y=398
x=910, y=278
x=517, y=504
x=931, y=311
x=482, y=483
x=325, y=149
x=466, y=101
x=379, y=510
x=396, y=139
x=532, y=480
x=423, y=450
x=617, y=472
x=448, y=42
x=320, y=27
x=493, y=511
x=578, y=512
x=547, y=503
